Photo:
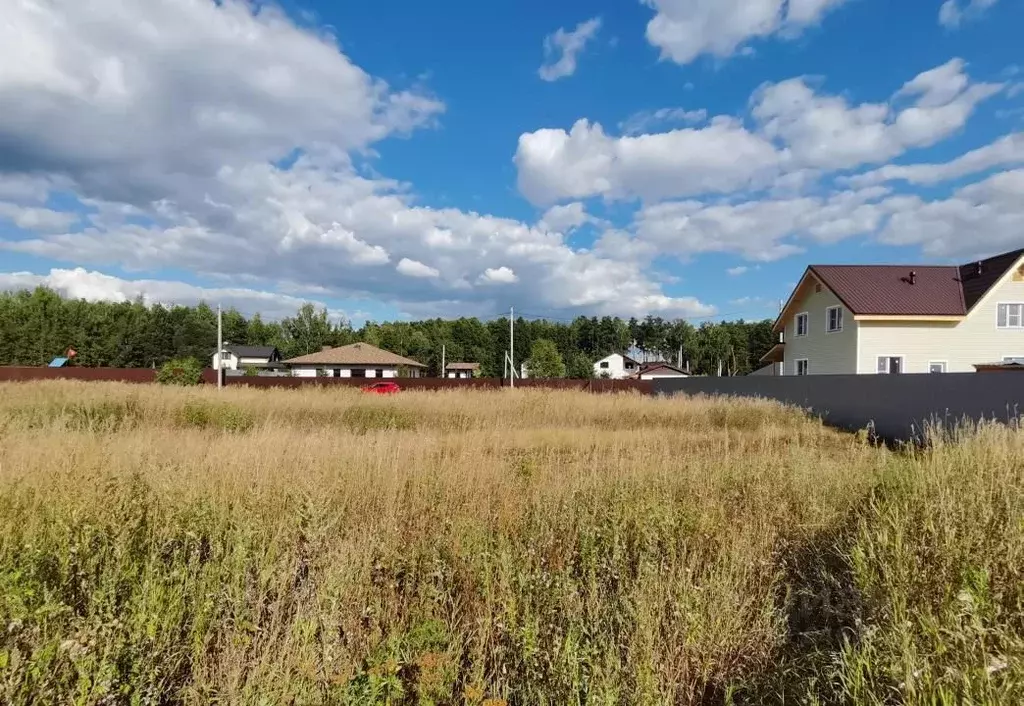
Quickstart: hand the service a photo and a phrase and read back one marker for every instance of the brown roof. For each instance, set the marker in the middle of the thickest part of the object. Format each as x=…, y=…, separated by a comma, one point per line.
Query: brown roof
x=886, y=289
x=936, y=290
x=976, y=283
x=658, y=365
x=354, y=354
x=462, y=366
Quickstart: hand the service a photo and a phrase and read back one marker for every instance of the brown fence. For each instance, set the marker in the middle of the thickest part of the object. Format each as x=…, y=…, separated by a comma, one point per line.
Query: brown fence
x=19, y=374
x=144, y=375
x=642, y=386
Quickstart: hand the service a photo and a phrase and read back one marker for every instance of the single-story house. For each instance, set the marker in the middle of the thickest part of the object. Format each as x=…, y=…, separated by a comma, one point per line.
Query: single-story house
x=461, y=370
x=886, y=319
x=659, y=370
x=236, y=357
x=616, y=367
x=358, y=360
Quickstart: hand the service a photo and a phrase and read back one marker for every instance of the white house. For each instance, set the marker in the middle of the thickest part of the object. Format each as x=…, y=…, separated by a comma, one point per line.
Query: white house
x=358, y=360
x=240, y=357
x=616, y=367
x=867, y=319
x=461, y=370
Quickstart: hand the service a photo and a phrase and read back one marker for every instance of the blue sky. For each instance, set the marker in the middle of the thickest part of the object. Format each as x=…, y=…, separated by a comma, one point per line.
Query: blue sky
x=683, y=158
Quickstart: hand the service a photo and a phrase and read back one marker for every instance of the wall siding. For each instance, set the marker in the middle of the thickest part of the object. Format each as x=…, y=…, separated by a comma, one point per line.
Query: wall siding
x=826, y=353
x=616, y=369
x=344, y=371
x=973, y=340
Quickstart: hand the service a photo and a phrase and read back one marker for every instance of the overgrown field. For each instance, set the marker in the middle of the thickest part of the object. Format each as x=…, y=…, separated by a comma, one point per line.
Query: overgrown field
x=522, y=547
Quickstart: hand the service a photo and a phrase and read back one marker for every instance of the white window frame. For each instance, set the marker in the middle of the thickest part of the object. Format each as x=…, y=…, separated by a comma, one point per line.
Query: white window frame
x=943, y=363
x=807, y=366
x=1020, y=315
x=796, y=324
x=888, y=356
x=828, y=317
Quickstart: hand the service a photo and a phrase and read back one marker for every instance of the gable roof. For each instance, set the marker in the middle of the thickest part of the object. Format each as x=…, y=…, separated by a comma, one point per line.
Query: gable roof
x=354, y=354
x=251, y=351
x=646, y=368
x=979, y=277
x=625, y=358
x=886, y=290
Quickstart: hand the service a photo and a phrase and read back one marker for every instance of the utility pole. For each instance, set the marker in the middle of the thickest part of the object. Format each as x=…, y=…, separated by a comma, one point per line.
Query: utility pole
x=511, y=346
x=220, y=350
x=444, y=372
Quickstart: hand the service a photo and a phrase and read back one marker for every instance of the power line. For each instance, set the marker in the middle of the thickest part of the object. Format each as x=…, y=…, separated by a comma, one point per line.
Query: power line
x=542, y=317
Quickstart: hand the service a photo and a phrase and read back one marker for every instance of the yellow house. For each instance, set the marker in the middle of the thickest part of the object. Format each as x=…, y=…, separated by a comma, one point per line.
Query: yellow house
x=843, y=319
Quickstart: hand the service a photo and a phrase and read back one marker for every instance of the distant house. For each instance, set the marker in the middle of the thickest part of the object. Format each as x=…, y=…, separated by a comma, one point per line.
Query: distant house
x=240, y=357
x=461, y=370
x=616, y=367
x=358, y=360
x=887, y=319
x=658, y=371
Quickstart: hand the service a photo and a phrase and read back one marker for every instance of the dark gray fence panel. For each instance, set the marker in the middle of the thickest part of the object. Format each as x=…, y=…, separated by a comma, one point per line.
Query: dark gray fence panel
x=896, y=405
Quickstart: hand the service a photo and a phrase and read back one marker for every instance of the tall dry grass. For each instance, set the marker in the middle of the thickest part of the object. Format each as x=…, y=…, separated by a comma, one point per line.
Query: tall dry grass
x=529, y=547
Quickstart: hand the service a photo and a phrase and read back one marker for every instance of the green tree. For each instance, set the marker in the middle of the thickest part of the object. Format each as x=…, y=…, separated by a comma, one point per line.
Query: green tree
x=579, y=367
x=307, y=332
x=545, y=361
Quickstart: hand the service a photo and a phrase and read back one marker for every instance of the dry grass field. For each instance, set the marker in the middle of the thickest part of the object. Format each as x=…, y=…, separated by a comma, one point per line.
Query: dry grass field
x=163, y=546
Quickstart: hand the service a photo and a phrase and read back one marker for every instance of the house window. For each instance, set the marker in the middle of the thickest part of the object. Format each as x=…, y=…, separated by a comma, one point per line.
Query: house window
x=803, y=366
x=337, y=372
x=1010, y=316
x=629, y=366
x=379, y=372
x=834, y=319
x=937, y=366
x=358, y=373
x=801, y=324
x=604, y=365
x=890, y=365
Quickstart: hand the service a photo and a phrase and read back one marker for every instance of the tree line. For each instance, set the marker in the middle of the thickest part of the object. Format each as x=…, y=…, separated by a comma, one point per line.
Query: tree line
x=38, y=325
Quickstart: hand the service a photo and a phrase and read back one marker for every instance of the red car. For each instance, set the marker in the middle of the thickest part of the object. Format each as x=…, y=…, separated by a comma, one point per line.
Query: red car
x=382, y=388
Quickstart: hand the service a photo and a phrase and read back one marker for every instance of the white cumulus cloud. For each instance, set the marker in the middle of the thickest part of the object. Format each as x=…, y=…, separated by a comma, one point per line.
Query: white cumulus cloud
x=798, y=133
x=685, y=29
x=824, y=131
x=412, y=268
x=565, y=218
x=562, y=48
x=215, y=137
x=79, y=283
x=953, y=13
x=1007, y=150
x=499, y=275
x=585, y=161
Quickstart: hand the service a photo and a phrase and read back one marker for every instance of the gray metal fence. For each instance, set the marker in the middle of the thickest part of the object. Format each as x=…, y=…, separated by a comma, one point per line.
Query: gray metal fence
x=895, y=407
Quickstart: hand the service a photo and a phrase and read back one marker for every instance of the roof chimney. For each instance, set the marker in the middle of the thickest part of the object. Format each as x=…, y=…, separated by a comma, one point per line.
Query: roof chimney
x=913, y=277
